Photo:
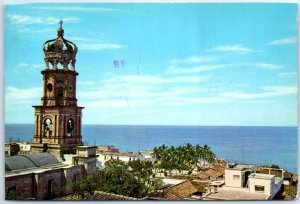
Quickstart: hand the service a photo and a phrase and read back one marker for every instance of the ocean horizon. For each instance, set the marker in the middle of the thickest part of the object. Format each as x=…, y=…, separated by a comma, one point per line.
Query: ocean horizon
x=261, y=145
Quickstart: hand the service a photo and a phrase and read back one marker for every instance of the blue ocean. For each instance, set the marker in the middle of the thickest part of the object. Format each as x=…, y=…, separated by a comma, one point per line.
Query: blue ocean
x=252, y=145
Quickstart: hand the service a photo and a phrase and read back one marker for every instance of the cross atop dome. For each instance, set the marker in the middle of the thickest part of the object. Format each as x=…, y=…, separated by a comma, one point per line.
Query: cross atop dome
x=60, y=24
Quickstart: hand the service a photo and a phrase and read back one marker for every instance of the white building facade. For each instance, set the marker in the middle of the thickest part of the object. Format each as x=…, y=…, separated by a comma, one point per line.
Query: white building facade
x=122, y=156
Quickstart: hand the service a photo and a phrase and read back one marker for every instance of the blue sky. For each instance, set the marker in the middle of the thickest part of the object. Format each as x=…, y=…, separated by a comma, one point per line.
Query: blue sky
x=183, y=64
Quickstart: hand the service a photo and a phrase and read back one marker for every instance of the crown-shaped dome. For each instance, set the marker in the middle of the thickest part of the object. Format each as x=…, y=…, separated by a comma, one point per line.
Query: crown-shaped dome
x=60, y=51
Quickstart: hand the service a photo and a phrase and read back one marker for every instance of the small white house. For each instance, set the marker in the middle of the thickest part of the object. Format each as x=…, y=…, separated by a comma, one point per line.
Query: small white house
x=123, y=156
x=266, y=184
x=25, y=147
x=261, y=183
x=236, y=175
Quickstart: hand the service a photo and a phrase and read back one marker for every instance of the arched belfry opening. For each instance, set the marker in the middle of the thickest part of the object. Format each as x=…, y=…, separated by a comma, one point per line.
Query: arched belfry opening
x=70, y=127
x=47, y=127
x=58, y=118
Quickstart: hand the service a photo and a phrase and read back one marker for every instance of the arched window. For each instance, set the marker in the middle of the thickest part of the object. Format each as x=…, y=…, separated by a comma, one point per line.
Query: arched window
x=47, y=127
x=70, y=128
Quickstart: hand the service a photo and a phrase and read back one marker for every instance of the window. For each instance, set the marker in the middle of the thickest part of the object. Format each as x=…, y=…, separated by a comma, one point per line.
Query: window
x=60, y=89
x=236, y=177
x=259, y=189
x=49, y=87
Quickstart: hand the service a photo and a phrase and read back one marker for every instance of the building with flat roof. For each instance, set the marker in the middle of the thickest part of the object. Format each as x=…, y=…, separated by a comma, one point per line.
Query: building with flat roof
x=243, y=183
x=236, y=175
x=123, y=156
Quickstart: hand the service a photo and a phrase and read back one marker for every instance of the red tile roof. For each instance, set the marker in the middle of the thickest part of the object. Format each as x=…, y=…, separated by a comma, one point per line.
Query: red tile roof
x=100, y=195
x=213, y=173
x=179, y=191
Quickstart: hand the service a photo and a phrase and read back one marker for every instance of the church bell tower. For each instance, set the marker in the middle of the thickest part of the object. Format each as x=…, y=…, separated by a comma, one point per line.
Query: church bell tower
x=58, y=118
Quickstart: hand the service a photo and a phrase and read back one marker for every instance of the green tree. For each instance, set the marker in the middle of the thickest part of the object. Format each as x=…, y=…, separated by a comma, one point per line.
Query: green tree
x=181, y=158
x=86, y=187
x=117, y=178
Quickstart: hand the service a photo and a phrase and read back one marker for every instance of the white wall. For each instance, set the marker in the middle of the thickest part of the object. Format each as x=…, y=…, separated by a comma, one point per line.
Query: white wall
x=232, y=181
x=101, y=159
x=268, y=184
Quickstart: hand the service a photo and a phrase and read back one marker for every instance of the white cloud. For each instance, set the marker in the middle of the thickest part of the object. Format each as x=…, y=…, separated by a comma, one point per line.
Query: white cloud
x=142, y=90
x=107, y=103
x=77, y=8
x=137, y=86
x=266, y=65
x=85, y=43
x=31, y=30
x=166, y=100
x=270, y=91
x=196, y=69
x=284, y=41
x=209, y=67
x=29, y=66
x=186, y=101
x=36, y=66
x=26, y=19
x=99, y=46
x=232, y=48
x=148, y=79
x=286, y=74
x=194, y=59
x=19, y=95
x=83, y=39
x=281, y=90
x=86, y=82
x=23, y=65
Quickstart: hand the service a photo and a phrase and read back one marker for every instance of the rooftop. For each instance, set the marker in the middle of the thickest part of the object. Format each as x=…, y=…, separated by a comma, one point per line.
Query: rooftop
x=86, y=147
x=240, y=167
x=213, y=173
x=179, y=191
x=107, y=148
x=29, y=161
x=261, y=176
x=100, y=195
x=201, y=175
x=128, y=154
x=228, y=193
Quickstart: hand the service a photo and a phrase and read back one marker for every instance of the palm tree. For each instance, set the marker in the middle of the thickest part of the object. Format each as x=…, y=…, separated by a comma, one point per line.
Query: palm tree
x=209, y=156
x=155, y=153
x=199, y=155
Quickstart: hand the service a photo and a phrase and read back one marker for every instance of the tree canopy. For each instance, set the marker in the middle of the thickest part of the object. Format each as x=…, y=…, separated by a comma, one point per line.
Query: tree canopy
x=133, y=179
x=186, y=157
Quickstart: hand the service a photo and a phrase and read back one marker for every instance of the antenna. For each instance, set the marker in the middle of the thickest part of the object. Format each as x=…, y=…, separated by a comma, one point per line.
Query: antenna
x=242, y=150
